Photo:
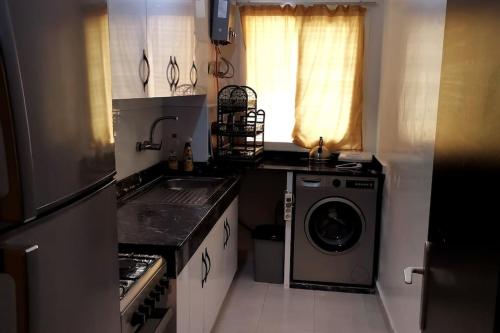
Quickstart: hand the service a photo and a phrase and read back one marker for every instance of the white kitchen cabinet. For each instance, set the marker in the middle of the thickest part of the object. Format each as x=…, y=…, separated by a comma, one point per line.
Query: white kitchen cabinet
x=127, y=30
x=203, y=283
x=214, y=295
x=171, y=36
x=167, y=32
x=182, y=300
x=197, y=272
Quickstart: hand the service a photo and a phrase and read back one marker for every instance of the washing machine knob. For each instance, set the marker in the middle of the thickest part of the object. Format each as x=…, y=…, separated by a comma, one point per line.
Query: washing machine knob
x=336, y=183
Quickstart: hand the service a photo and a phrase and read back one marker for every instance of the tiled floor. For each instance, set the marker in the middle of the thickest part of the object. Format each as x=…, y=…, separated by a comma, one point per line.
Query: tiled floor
x=262, y=307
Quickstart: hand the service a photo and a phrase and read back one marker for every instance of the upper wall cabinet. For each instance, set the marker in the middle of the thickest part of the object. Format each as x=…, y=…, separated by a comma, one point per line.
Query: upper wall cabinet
x=154, y=47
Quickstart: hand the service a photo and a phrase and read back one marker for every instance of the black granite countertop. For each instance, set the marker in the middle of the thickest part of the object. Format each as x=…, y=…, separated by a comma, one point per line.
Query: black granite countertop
x=299, y=163
x=174, y=231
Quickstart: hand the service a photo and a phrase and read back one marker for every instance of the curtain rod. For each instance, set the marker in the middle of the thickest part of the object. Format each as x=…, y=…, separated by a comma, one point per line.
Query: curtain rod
x=299, y=2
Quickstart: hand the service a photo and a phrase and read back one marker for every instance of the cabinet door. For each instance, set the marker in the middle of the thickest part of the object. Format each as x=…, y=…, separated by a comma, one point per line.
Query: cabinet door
x=182, y=300
x=170, y=29
x=127, y=29
x=231, y=250
x=214, y=294
x=197, y=271
x=202, y=44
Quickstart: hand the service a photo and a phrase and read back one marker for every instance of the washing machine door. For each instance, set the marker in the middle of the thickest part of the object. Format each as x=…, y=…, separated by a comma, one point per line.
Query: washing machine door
x=334, y=225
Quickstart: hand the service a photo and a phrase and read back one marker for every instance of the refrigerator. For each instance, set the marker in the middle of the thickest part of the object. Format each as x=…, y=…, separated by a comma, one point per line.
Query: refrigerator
x=58, y=237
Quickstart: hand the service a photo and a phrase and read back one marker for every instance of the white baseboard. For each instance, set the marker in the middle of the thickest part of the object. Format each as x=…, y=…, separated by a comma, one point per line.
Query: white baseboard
x=384, y=306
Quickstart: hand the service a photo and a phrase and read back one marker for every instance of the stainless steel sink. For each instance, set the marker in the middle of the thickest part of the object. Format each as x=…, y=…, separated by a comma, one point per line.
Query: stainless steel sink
x=181, y=191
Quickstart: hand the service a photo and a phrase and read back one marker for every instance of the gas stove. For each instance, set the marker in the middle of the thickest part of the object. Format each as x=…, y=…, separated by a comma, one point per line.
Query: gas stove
x=143, y=293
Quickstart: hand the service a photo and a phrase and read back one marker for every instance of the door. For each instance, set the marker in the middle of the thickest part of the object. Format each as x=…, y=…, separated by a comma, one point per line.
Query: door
x=231, y=247
x=461, y=277
x=69, y=268
x=334, y=225
x=459, y=290
x=214, y=294
x=131, y=70
x=197, y=270
x=57, y=66
x=202, y=45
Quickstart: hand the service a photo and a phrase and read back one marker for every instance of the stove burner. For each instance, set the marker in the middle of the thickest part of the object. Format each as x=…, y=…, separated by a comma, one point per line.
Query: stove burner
x=132, y=267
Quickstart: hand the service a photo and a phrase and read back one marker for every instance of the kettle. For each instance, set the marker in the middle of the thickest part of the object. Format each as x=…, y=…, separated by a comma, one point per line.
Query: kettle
x=319, y=154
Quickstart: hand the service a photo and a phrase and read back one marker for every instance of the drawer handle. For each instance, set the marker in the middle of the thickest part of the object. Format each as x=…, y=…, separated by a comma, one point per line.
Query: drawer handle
x=204, y=270
x=209, y=263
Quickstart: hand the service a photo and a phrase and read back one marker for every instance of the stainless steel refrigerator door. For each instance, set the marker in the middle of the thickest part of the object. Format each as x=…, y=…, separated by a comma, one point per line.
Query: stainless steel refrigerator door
x=73, y=279
x=57, y=62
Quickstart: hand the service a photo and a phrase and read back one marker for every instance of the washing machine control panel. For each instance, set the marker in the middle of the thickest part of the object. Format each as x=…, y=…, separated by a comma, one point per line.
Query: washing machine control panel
x=361, y=184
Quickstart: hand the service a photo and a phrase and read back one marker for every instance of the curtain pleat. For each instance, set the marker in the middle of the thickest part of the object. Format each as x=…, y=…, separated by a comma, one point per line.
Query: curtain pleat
x=324, y=63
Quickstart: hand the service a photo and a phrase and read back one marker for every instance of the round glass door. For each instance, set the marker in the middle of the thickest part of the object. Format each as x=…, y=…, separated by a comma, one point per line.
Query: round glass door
x=334, y=225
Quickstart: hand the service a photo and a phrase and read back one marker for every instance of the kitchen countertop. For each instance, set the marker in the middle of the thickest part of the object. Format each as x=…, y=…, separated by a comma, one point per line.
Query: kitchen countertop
x=299, y=163
x=174, y=231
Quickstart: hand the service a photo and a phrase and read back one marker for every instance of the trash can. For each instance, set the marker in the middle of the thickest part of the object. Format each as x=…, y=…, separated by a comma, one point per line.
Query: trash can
x=269, y=252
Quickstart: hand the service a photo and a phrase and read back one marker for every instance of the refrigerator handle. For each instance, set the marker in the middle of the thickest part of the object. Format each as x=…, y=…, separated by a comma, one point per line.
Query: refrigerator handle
x=4, y=173
x=17, y=262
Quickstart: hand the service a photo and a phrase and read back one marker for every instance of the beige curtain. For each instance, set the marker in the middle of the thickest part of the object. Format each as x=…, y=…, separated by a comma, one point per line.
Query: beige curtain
x=323, y=62
x=99, y=74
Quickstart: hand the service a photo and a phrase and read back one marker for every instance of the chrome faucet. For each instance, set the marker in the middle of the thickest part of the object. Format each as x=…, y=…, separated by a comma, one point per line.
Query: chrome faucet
x=148, y=144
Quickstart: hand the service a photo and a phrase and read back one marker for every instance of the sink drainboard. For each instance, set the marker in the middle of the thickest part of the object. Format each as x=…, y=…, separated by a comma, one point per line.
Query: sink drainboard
x=178, y=196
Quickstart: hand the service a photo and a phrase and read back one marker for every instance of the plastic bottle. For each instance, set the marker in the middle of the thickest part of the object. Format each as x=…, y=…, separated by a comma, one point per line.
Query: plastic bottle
x=173, y=163
x=188, y=156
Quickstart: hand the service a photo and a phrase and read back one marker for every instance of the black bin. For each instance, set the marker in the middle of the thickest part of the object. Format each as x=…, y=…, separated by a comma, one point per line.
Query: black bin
x=269, y=253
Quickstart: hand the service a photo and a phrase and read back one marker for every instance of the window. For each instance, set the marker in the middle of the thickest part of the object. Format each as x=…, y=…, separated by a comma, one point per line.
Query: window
x=306, y=65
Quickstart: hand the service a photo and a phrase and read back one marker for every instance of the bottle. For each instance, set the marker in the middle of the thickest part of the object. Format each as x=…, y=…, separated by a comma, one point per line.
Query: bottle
x=172, y=160
x=188, y=156
x=173, y=163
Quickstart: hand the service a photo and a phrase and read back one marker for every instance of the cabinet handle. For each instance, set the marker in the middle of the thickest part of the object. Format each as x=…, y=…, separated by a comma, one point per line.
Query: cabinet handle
x=178, y=73
x=204, y=273
x=226, y=234
x=170, y=74
x=193, y=72
x=228, y=230
x=146, y=60
x=209, y=263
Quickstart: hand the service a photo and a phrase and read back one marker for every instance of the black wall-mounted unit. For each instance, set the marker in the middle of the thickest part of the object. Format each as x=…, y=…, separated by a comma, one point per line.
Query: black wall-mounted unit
x=221, y=28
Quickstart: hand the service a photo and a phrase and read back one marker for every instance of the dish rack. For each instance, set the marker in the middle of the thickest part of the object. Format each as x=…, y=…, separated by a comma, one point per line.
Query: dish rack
x=240, y=125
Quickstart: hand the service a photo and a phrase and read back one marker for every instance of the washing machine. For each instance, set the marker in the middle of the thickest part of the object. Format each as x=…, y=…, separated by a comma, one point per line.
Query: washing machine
x=335, y=230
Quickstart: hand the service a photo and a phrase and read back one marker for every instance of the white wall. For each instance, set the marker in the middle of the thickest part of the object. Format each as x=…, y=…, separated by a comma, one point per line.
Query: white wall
x=409, y=92
x=132, y=122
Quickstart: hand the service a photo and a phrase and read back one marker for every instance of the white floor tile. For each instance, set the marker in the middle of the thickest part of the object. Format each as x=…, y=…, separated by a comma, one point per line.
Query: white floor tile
x=287, y=310
x=253, y=307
